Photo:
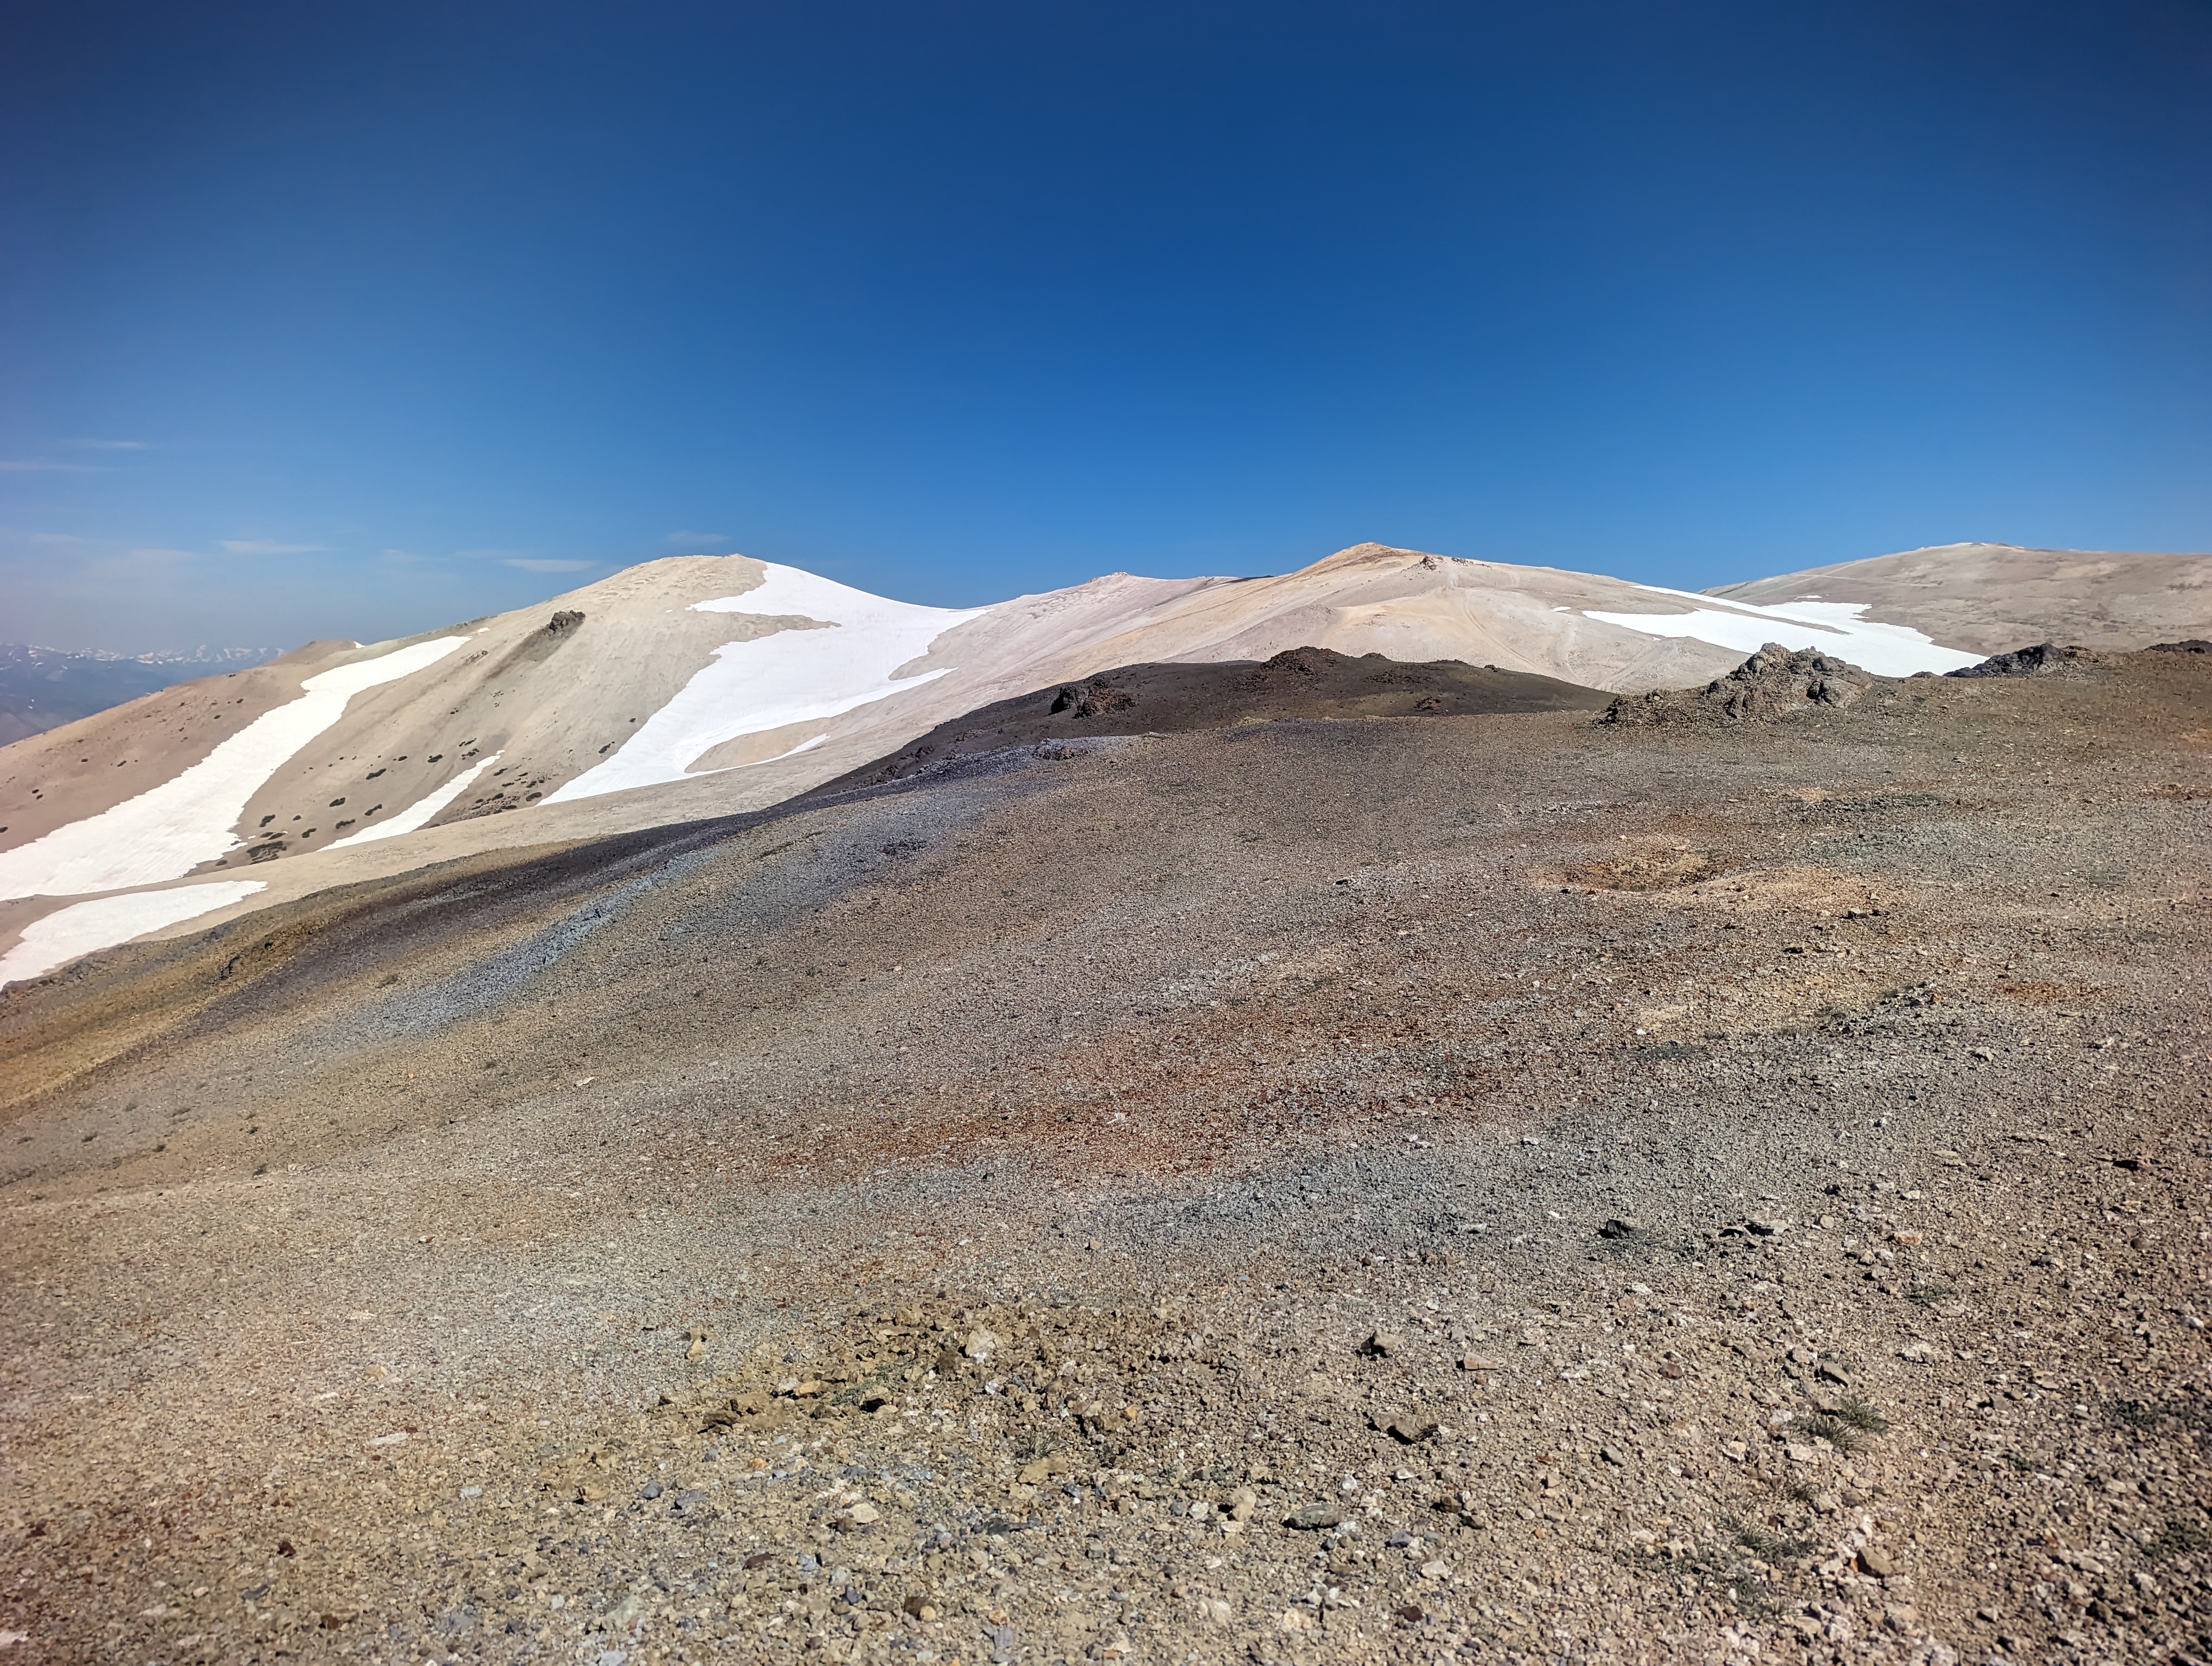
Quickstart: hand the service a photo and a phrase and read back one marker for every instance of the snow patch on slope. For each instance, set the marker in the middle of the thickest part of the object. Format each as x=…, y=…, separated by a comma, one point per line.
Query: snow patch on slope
x=1836, y=627
x=418, y=813
x=167, y=831
x=64, y=934
x=791, y=677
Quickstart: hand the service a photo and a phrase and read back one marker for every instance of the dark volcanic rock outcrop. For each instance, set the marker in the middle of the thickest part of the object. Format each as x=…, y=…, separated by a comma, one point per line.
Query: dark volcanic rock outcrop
x=1178, y=698
x=2041, y=660
x=1775, y=682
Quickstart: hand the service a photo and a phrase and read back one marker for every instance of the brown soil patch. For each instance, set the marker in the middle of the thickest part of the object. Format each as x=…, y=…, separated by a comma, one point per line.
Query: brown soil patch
x=1646, y=870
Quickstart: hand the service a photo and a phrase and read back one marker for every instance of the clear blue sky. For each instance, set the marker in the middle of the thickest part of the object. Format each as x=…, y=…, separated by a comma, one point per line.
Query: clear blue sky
x=354, y=319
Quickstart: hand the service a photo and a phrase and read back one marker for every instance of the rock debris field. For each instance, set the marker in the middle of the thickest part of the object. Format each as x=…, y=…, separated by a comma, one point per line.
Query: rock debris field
x=1493, y=1188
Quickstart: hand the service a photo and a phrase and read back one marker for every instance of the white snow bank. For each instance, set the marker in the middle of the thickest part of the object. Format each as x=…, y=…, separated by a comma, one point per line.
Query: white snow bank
x=64, y=934
x=793, y=677
x=1836, y=627
x=419, y=812
x=167, y=831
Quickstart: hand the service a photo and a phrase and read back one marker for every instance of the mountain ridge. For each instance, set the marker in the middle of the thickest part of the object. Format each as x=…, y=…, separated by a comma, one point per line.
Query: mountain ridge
x=697, y=685
x=1995, y=597
x=43, y=688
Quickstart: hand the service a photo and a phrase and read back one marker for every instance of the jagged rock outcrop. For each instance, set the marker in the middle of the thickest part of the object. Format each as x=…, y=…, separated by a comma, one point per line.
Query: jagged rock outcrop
x=2041, y=660
x=1775, y=682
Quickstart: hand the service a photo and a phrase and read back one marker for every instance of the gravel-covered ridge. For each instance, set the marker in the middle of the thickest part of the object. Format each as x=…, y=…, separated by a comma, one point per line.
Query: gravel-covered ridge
x=1447, y=1188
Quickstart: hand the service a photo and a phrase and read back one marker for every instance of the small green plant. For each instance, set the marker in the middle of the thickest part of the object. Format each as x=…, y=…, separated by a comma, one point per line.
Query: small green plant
x=1767, y=1546
x=1834, y=1430
x=1926, y=1295
x=1862, y=1417
x=2190, y=1411
x=2179, y=1538
x=1710, y=1567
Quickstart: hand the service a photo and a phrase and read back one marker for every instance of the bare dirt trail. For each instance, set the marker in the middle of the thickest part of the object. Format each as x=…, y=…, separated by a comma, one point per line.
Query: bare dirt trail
x=1439, y=1187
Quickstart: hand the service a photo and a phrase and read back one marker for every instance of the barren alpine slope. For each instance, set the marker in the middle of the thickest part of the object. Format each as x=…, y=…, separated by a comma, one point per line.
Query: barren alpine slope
x=701, y=686
x=1994, y=597
x=1701, y=1187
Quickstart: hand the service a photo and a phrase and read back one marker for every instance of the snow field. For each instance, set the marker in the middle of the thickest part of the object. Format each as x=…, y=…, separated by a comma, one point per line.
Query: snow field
x=105, y=922
x=418, y=813
x=1836, y=627
x=793, y=677
x=167, y=831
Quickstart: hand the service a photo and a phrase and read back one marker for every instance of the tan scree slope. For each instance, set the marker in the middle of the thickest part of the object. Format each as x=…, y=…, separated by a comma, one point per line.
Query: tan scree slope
x=1995, y=597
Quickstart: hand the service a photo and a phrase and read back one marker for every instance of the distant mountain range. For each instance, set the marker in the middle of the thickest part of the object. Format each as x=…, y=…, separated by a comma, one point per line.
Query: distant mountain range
x=701, y=686
x=43, y=688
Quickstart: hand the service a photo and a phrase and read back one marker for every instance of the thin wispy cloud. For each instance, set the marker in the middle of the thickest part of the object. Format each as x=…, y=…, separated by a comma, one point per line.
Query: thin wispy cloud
x=532, y=564
x=108, y=445
x=262, y=546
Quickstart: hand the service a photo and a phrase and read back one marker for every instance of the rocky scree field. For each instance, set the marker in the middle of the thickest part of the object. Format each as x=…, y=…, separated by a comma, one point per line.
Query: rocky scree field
x=1502, y=1187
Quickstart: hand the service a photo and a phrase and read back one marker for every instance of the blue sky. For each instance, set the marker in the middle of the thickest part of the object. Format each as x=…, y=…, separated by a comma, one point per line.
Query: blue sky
x=352, y=320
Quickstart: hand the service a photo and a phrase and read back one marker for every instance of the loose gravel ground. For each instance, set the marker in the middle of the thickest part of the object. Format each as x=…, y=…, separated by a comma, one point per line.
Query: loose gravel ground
x=1443, y=1190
